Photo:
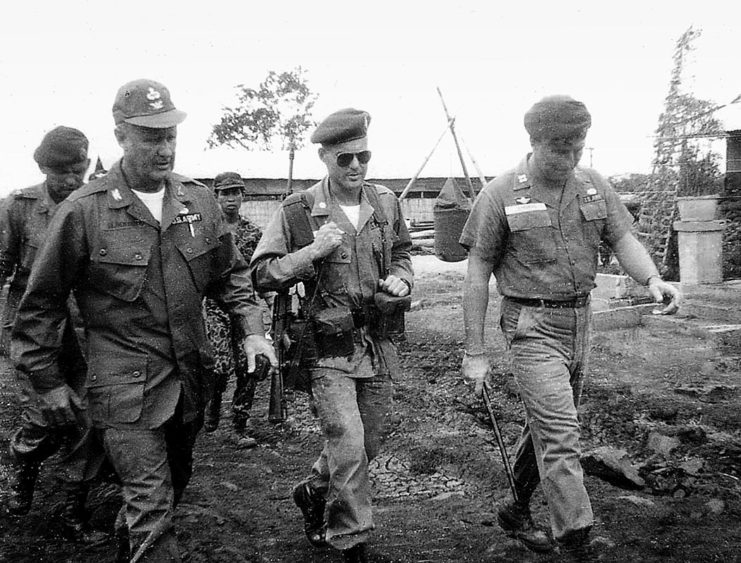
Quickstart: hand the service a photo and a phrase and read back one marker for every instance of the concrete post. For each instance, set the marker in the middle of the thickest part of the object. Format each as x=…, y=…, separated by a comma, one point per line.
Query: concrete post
x=700, y=251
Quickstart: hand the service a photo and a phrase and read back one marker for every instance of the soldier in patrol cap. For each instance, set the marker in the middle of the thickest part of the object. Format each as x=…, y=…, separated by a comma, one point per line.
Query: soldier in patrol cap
x=352, y=255
x=24, y=219
x=140, y=247
x=537, y=228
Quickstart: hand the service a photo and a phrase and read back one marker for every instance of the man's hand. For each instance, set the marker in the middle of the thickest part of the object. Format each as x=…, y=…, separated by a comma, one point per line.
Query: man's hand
x=62, y=407
x=326, y=239
x=663, y=292
x=255, y=344
x=393, y=286
x=475, y=368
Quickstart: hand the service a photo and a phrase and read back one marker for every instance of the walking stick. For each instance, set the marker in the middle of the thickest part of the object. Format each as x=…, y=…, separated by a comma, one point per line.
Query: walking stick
x=500, y=443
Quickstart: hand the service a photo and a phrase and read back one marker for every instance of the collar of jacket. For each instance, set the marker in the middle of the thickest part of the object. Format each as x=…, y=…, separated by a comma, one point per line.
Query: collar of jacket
x=119, y=193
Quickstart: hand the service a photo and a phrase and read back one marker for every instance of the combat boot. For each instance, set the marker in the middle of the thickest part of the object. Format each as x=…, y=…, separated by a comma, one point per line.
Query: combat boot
x=575, y=547
x=355, y=554
x=22, y=484
x=74, y=516
x=312, y=504
x=213, y=413
x=515, y=519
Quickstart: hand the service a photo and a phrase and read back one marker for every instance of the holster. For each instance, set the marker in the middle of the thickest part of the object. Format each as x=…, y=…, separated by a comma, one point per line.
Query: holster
x=388, y=318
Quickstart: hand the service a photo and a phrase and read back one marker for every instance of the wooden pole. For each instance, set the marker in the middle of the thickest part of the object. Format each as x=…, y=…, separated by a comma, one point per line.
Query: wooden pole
x=482, y=178
x=414, y=179
x=289, y=187
x=458, y=148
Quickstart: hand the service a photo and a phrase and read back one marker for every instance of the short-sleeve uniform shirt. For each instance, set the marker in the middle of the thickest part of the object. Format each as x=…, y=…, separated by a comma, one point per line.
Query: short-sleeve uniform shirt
x=543, y=243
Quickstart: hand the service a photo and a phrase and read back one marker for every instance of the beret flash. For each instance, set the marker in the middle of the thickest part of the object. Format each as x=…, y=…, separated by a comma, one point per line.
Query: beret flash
x=61, y=146
x=341, y=126
x=556, y=117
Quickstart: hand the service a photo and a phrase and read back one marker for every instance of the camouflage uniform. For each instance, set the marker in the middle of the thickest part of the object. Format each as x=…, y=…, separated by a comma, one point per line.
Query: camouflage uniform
x=228, y=354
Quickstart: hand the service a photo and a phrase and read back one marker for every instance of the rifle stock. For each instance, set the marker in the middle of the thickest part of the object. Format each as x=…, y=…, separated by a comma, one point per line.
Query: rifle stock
x=278, y=410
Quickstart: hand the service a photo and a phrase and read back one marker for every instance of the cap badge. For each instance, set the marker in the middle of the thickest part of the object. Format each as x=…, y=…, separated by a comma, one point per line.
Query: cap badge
x=154, y=96
x=522, y=178
x=523, y=200
x=116, y=194
x=591, y=191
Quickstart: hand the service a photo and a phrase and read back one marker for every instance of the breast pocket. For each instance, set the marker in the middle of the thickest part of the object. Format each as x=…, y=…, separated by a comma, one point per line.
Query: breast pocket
x=116, y=386
x=120, y=268
x=595, y=217
x=201, y=256
x=532, y=235
x=335, y=269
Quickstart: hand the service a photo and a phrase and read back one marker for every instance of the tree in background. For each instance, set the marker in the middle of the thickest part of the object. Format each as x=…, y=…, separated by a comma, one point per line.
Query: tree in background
x=279, y=110
x=684, y=161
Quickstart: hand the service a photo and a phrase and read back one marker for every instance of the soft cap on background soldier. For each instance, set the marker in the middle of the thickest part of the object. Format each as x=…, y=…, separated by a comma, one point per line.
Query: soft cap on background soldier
x=557, y=117
x=62, y=146
x=226, y=180
x=341, y=126
x=146, y=103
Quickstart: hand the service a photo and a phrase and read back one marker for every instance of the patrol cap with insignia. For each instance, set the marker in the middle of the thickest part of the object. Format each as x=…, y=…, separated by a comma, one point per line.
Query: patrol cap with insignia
x=61, y=146
x=557, y=117
x=227, y=180
x=146, y=103
x=341, y=126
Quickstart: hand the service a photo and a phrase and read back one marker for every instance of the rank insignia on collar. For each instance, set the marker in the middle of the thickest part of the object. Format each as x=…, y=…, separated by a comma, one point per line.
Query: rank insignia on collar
x=116, y=194
x=184, y=210
x=522, y=178
x=180, y=191
x=523, y=200
x=591, y=191
x=322, y=205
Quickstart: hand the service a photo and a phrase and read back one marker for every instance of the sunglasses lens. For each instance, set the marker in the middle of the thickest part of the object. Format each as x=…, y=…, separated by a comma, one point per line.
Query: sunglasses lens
x=345, y=159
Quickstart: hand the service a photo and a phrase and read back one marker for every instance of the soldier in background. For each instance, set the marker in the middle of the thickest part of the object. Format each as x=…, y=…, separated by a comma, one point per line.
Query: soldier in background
x=228, y=355
x=24, y=219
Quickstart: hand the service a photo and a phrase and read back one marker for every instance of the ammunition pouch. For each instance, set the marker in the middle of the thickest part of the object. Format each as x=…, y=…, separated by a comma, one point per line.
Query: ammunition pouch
x=388, y=315
x=334, y=331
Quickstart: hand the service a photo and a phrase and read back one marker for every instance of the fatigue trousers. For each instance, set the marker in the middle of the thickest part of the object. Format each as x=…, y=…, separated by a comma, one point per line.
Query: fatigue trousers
x=548, y=353
x=154, y=466
x=353, y=414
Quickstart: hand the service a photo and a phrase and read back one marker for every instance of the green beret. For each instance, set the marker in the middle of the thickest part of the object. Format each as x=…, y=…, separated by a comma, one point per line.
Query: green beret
x=341, y=126
x=61, y=146
x=556, y=117
x=227, y=180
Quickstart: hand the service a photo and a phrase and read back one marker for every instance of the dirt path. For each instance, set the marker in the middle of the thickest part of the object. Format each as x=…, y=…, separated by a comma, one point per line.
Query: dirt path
x=440, y=476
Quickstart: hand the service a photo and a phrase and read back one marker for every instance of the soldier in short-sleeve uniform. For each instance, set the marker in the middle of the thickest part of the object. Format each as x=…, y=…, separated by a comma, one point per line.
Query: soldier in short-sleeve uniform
x=537, y=228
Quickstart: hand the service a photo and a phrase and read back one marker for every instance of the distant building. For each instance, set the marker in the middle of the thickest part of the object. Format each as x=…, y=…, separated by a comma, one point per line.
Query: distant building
x=263, y=195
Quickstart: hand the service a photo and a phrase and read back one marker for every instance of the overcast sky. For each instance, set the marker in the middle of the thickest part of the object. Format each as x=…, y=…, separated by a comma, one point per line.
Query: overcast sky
x=62, y=62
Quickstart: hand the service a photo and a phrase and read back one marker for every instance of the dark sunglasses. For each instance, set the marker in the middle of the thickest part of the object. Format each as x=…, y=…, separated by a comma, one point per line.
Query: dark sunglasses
x=344, y=159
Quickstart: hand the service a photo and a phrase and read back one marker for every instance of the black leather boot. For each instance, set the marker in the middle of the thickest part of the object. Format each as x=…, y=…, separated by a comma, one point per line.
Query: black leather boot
x=356, y=554
x=74, y=515
x=22, y=484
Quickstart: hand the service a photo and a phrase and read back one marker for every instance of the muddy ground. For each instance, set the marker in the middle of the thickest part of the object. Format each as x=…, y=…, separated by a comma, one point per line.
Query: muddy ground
x=668, y=398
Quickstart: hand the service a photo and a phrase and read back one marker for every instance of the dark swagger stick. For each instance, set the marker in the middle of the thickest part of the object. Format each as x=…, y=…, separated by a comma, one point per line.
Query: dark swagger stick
x=500, y=443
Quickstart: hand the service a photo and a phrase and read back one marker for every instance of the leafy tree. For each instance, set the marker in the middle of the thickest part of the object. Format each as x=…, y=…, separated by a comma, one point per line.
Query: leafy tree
x=279, y=110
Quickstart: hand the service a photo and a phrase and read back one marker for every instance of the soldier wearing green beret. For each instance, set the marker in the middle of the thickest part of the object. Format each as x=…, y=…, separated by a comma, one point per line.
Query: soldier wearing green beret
x=140, y=248
x=24, y=220
x=346, y=240
x=537, y=228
